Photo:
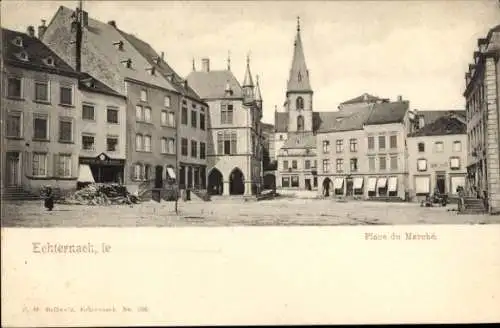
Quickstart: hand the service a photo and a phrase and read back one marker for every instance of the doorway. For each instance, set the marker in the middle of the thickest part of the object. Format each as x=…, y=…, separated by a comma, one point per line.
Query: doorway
x=215, y=182
x=349, y=184
x=12, y=169
x=308, y=184
x=441, y=183
x=236, y=184
x=326, y=187
x=159, y=176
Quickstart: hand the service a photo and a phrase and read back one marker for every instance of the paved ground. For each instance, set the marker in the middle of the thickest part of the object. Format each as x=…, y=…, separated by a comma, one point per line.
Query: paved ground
x=235, y=212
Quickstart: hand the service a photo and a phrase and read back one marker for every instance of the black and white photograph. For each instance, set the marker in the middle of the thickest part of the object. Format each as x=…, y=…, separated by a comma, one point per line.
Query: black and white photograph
x=239, y=114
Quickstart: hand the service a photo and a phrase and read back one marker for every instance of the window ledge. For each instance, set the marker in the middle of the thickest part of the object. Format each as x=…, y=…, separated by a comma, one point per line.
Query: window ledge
x=43, y=102
x=91, y=120
x=143, y=151
x=67, y=105
x=14, y=138
x=113, y=123
x=15, y=98
x=66, y=142
x=40, y=139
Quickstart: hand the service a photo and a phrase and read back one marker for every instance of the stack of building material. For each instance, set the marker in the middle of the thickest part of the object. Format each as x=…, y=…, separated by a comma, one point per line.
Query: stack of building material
x=104, y=194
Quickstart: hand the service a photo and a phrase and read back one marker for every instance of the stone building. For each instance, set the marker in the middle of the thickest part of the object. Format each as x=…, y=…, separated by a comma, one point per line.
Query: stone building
x=234, y=149
x=482, y=111
x=437, y=155
x=40, y=136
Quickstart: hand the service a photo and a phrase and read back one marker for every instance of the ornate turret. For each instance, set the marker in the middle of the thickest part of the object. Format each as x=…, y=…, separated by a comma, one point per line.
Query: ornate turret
x=248, y=87
x=258, y=96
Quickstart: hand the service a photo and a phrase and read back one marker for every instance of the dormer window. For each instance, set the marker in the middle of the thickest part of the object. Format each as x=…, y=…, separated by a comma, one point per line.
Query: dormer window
x=152, y=70
x=23, y=56
x=49, y=61
x=88, y=82
x=18, y=41
x=118, y=45
x=127, y=63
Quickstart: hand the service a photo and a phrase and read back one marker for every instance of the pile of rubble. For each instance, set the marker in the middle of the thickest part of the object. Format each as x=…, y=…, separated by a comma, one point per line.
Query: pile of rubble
x=102, y=194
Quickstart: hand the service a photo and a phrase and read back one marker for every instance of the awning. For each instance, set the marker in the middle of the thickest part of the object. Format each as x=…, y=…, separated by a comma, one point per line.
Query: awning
x=393, y=184
x=372, y=182
x=422, y=185
x=358, y=183
x=170, y=173
x=381, y=183
x=338, y=183
x=85, y=174
x=457, y=181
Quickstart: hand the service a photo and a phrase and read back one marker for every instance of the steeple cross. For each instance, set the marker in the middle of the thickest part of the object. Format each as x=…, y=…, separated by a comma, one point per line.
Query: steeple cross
x=298, y=23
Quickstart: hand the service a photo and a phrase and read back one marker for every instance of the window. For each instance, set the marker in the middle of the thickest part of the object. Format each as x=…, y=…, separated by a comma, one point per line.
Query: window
x=184, y=116
x=147, y=171
x=166, y=101
x=314, y=164
x=285, y=182
x=194, y=116
x=295, y=181
x=164, y=118
x=394, y=162
x=421, y=147
x=40, y=127
x=371, y=143
x=226, y=143
x=66, y=95
x=382, y=163
x=353, y=145
x=14, y=87
x=88, y=142
x=171, y=145
x=65, y=130
x=454, y=163
x=144, y=95
x=39, y=164
x=339, y=165
x=299, y=103
x=439, y=146
x=371, y=163
x=339, y=145
x=42, y=91
x=294, y=164
x=326, y=165
x=354, y=164
x=326, y=145
x=422, y=164
x=285, y=165
x=300, y=123
x=14, y=124
x=88, y=112
x=393, y=140
x=381, y=142
x=226, y=114
x=184, y=147
x=112, y=143
x=457, y=146
x=112, y=115
x=202, y=150
x=422, y=185
x=138, y=113
x=138, y=142
x=63, y=165
x=171, y=119
x=194, y=149
x=147, y=143
x=164, y=146
x=202, y=121
x=147, y=114
x=138, y=172
x=307, y=164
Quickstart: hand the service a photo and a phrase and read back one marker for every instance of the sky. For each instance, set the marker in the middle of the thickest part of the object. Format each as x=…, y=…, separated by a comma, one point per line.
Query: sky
x=417, y=49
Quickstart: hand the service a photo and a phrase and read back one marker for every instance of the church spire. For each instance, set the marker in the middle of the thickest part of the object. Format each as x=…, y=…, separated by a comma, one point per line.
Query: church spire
x=248, y=81
x=299, y=75
x=258, y=96
x=229, y=60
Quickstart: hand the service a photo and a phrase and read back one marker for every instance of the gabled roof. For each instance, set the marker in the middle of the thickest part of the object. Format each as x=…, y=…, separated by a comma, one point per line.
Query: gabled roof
x=364, y=98
x=354, y=121
x=299, y=75
x=444, y=125
x=386, y=113
x=300, y=141
x=36, y=51
x=212, y=84
x=161, y=65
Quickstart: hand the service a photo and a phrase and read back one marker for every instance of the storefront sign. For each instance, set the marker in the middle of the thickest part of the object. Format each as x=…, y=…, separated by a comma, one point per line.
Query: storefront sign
x=102, y=159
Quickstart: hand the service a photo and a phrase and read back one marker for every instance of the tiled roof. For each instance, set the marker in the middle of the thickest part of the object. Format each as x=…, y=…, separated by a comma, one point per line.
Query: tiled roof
x=432, y=115
x=37, y=53
x=365, y=97
x=352, y=122
x=212, y=84
x=300, y=140
x=96, y=86
x=162, y=66
x=444, y=125
x=385, y=113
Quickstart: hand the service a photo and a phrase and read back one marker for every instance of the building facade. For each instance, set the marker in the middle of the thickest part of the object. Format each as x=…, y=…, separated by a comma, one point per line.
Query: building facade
x=234, y=148
x=483, y=121
x=40, y=102
x=437, y=156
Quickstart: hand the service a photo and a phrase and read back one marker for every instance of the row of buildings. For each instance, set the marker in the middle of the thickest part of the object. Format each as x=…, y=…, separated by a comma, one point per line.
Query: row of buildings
x=84, y=101
x=368, y=147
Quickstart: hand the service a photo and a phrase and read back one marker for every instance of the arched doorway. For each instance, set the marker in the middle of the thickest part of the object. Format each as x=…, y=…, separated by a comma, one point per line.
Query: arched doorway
x=269, y=181
x=236, y=184
x=215, y=182
x=326, y=187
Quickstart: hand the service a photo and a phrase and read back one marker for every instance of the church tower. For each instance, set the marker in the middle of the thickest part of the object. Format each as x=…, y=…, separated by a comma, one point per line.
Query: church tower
x=299, y=95
x=248, y=87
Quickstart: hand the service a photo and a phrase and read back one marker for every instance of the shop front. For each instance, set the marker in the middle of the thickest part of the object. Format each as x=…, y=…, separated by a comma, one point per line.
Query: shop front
x=101, y=169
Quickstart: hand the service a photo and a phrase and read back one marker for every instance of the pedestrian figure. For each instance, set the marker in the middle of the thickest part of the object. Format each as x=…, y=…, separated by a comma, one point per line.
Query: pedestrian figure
x=49, y=199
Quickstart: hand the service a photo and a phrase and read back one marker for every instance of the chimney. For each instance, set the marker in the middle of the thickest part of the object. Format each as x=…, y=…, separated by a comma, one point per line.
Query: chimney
x=400, y=98
x=31, y=31
x=162, y=56
x=185, y=84
x=112, y=23
x=85, y=18
x=205, y=65
x=421, y=121
x=41, y=29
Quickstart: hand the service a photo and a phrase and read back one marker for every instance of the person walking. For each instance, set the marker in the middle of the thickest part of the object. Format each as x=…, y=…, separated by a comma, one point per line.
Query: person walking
x=49, y=199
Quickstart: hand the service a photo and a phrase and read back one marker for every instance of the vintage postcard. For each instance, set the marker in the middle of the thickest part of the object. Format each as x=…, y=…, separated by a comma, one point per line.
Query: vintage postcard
x=250, y=162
